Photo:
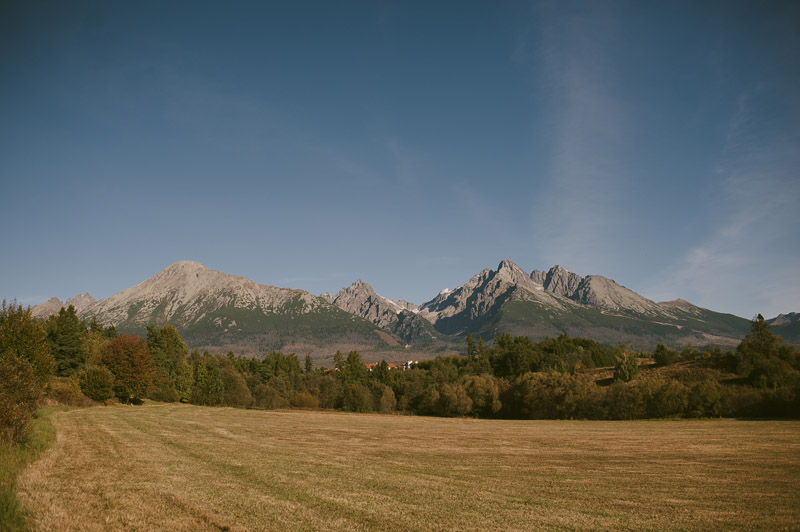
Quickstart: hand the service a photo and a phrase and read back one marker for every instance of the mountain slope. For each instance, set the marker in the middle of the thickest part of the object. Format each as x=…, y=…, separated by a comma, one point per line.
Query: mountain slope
x=469, y=307
x=399, y=317
x=211, y=308
x=559, y=301
x=787, y=326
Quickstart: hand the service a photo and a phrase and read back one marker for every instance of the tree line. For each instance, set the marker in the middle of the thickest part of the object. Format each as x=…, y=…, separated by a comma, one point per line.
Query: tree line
x=515, y=377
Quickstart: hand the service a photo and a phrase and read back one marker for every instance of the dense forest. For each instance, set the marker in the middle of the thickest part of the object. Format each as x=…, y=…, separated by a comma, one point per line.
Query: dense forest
x=63, y=359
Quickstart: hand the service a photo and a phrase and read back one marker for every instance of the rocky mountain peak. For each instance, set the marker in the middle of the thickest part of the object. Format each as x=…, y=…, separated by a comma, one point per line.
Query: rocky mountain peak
x=603, y=293
x=53, y=306
x=561, y=281
x=361, y=299
x=515, y=276
x=81, y=302
x=538, y=277
x=359, y=287
x=183, y=268
x=186, y=291
x=48, y=308
x=785, y=319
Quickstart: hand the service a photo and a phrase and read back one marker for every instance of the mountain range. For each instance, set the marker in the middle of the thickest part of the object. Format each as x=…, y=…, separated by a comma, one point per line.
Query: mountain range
x=216, y=310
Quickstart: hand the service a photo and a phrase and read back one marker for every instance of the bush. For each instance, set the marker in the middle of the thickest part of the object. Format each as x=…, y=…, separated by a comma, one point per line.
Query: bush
x=454, y=400
x=625, y=401
x=742, y=401
x=484, y=391
x=67, y=391
x=706, y=399
x=268, y=398
x=329, y=393
x=236, y=391
x=388, y=402
x=97, y=383
x=356, y=398
x=555, y=396
x=25, y=338
x=305, y=400
x=163, y=388
x=19, y=396
x=664, y=398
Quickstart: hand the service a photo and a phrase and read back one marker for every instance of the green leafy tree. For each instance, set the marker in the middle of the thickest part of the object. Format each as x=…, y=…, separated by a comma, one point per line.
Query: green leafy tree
x=554, y=396
x=110, y=332
x=168, y=350
x=329, y=394
x=484, y=392
x=706, y=399
x=470, y=346
x=97, y=383
x=131, y=363
x=356, y=398
x=25, y=337
x=25, y=368
x=381, y=373
x=309, y=364
x=66, y=334
x=625, y=401
x=454, y=400
x=354, y=370
x=236, y=391
x=664, y=397
x=19, y=395
x=663, y=355
x=388, y=402
x=338, y=360
x=183, y=380
x=627, y=366
x=761, y=345
x=208, y=388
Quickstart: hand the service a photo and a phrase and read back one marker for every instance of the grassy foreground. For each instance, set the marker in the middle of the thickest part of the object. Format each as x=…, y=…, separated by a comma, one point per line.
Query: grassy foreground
x=177, y=467
x=13, y=458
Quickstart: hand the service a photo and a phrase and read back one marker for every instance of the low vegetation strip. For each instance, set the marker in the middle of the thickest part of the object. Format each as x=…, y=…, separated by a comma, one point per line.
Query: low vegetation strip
x=181, y=467
x=39, y=435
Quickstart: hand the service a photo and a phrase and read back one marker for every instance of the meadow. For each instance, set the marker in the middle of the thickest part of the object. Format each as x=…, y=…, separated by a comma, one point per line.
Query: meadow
x=181, y=467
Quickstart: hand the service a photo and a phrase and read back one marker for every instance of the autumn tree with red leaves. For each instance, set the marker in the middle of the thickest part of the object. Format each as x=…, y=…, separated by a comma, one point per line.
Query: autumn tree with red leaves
x=131, y=363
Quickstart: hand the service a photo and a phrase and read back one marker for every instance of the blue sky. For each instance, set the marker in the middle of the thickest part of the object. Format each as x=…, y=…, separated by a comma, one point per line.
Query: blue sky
x=409, y=144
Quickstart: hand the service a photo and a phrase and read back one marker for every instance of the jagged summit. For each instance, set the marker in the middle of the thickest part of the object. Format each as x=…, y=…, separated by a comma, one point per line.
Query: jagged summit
x=561, y=281
x=53, y=305
x=186, y=292
x=218, y=308
x=361, y=299
x=48, y=308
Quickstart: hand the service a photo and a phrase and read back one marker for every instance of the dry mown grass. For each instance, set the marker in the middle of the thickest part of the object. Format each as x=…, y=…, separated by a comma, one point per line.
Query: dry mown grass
x=171, y=467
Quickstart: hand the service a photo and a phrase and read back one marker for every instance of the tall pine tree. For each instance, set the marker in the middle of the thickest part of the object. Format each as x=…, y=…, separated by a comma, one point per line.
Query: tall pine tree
x=66, y=335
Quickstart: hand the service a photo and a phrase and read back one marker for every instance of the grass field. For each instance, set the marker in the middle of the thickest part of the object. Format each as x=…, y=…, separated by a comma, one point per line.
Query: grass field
x=176, y=467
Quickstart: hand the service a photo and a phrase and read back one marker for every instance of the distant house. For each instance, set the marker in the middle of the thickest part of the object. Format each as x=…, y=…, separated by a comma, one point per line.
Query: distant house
x=376, y=364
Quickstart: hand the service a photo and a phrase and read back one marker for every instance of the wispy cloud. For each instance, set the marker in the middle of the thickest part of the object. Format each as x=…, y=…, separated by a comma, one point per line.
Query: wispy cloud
x=578, y=209
x=750, y=261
